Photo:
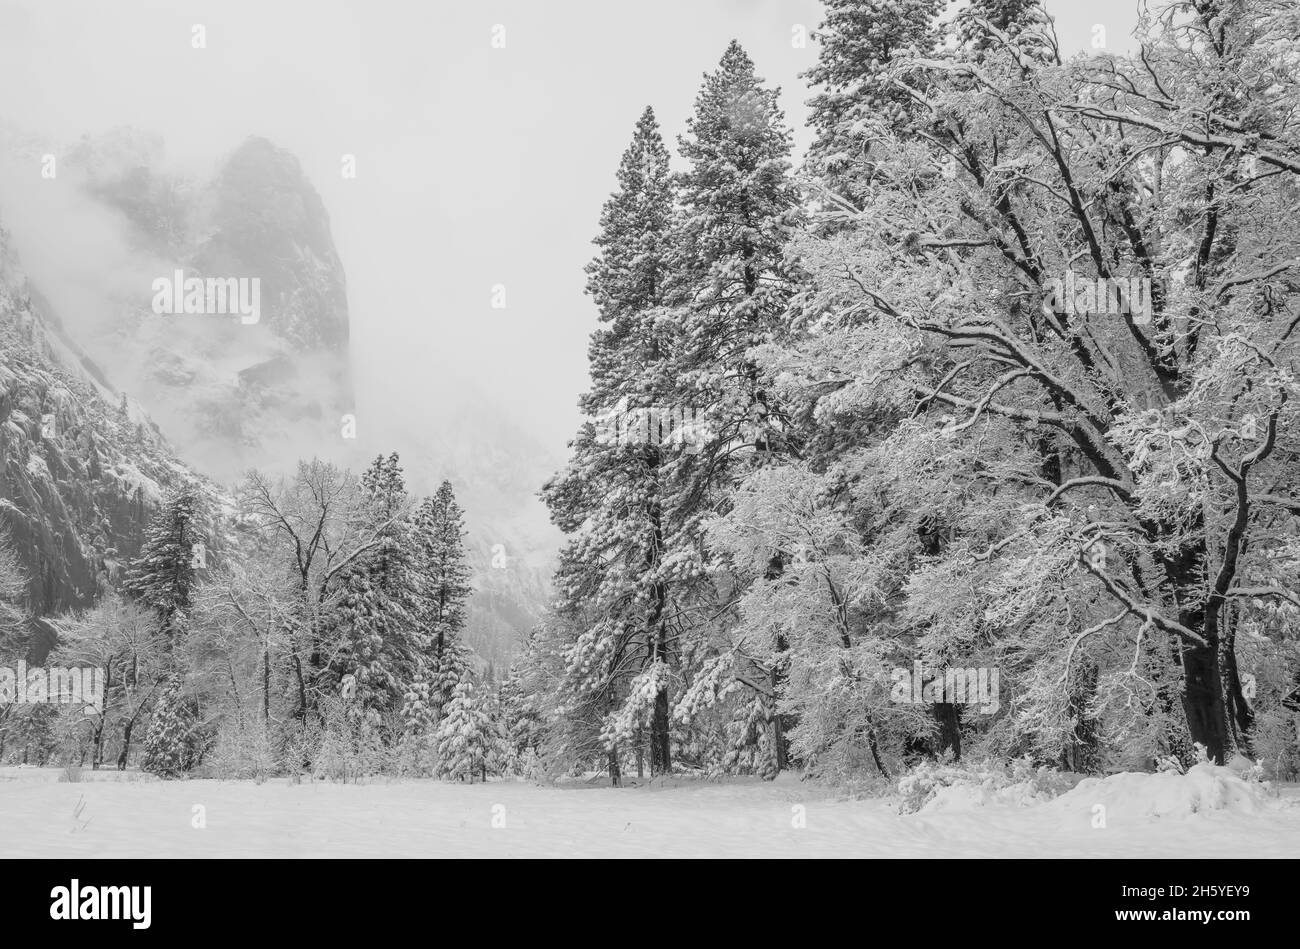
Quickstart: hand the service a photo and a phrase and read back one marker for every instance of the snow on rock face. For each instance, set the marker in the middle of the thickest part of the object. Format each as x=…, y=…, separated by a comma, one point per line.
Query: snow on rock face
x=230, y=394
x=79, y=475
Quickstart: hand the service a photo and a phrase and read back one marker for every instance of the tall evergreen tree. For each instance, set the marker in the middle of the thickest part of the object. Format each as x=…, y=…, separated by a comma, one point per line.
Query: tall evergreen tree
x=469, y=741
x=856, y=95
x=169, y=744
x=521, y=720
x=441, y=609
x=610, y=497
x=162, y=577
x=860, y=40
x=739, y=209
x=379, y=638
x=732, y=286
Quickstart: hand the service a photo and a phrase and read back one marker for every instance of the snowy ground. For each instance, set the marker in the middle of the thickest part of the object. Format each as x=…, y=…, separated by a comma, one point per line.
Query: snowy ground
x=130, y=815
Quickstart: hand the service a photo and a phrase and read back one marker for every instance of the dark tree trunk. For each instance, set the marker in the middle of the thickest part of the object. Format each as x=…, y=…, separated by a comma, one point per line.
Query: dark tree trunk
x=660, y=748
x=780, y=752
x=97, y=748
x=780, y=756
x=302, y=687
x=1240, y=715
x=1203, y=699
x=126, y=744
x=875, y=754
x=948, y=716
x=615, y=774
x=1082, y=753
x=97, y=752
x=661, y=761
x=266, y=688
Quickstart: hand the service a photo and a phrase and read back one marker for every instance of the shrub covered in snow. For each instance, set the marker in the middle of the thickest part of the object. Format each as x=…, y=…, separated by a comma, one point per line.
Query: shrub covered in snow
x=351, y=744
x=470, y=743
x=171, y=746
x=1137, y=798
x=938, y=786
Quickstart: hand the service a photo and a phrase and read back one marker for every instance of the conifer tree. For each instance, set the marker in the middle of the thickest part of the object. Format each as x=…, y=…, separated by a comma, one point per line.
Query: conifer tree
x=469, y=741
x=733, y=284
x=162, y=577
x=169, y=743
x=442, y=561
x=381, y=641
x=441, y=608
x=739, y=209
x=610, y=497
x=731, y=280
x=521, y=720
x=860, y=39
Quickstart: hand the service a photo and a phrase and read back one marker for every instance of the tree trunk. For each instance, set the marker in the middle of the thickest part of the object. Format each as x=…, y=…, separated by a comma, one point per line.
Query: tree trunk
x=781, y=754
x=948, y=716
x=1082, y=751
x=661, y=762
x=1203, y=699
x=1241, y=717
x=97, y=755
x=875, y=754
x=97, y=746
x=266, y=689
x=302, y=687
x=126, y=744
x=615, y=775
x=660, y=746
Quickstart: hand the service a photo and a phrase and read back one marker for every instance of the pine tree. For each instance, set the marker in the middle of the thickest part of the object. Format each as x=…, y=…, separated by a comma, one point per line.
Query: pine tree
x=521, y=720
x=860, y=39
x=733, y=286
x=441, y=608
x=469, y=742
x=732, y=282
x=169, y=744
x=1012, y=17
x=446, y=672
x=381, y=640
x=610, y=497
x=162, y=577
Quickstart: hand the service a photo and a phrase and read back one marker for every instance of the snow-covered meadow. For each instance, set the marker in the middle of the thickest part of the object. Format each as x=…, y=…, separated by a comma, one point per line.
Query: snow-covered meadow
x=1206, y=813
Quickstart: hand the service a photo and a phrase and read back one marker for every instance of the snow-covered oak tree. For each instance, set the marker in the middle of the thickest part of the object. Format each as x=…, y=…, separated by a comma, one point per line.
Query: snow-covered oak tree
x=1071, y=363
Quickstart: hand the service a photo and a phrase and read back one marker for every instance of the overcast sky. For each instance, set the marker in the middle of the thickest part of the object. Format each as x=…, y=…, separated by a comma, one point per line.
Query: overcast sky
x=476, y=165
